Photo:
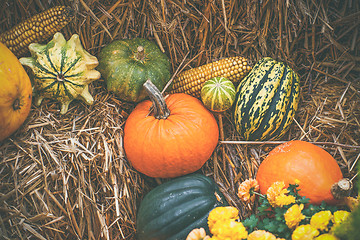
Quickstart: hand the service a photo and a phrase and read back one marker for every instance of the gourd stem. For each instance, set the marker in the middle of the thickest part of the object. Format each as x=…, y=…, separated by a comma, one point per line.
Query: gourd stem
x=16, y=104
x=161, y=111
x=140, y=54
x=342, y=188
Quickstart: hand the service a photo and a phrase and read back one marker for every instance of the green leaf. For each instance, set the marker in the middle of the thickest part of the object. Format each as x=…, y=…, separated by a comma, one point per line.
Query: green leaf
x=279, y=213
x=270, y=225
x=282, y=228
x=303, y=200
x=251, y=222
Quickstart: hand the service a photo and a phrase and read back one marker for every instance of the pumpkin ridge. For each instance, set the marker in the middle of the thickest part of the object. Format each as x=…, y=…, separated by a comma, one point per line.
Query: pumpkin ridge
x=47, y=54
x=48, y=78
x=66, y=79
x=63, y=56
x=192, y=180
x=199, y=209
x=244, y=83
x=159, y=74
x=196, y=207
x=129, y=75
x=247, y=116
x=49, y=86
x=271, y=111
x=196, y=194
x=289, y=109
x=218, y=96
x=71, y=65
x=43, y=69
x=58, y=90
x=67, y=92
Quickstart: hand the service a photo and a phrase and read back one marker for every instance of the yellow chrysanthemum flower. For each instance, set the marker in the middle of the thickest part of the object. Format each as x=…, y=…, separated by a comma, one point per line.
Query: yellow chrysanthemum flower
x=321, y=220
x=229, y=229
x=277, y=195
x=197, y=234
x=277, y=188
x=246, y=189
x=293, y=215
x=213, y=238
x=340, y=216
x=283, y=200
x=221, y=214
x=326, y=236
x=304, y=232
x=261, y=235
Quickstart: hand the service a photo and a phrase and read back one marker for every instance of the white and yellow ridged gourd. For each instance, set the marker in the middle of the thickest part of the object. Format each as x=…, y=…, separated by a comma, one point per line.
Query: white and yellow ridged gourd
x=62, y=70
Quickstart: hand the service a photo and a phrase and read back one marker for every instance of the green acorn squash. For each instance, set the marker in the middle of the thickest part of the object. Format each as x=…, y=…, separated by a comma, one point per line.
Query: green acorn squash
x=266, y=101
x=127, y=64
x=62, y=70
x=218, y=94
x=171, y=210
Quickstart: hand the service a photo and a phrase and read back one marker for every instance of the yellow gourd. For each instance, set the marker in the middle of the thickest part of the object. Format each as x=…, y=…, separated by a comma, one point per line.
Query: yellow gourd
x=15, y=93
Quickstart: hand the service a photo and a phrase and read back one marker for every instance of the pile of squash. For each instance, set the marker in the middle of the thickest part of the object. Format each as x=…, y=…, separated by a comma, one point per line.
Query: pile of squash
x=173, y=136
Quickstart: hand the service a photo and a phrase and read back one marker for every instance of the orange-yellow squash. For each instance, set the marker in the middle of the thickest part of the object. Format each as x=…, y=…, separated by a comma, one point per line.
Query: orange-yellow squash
x=15, y=93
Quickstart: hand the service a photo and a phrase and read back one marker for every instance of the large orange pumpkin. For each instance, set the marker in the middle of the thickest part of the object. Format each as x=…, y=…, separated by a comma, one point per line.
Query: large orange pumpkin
x=174, y=139
x=316, y=170
x=15, y=93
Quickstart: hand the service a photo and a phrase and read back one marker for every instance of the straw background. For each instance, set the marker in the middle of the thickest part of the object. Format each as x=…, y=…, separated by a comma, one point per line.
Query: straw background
x=67, y=177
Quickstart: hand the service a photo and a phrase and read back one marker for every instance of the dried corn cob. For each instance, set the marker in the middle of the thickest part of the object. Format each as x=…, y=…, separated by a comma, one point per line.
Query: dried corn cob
x=191, y=81
x=36, y=29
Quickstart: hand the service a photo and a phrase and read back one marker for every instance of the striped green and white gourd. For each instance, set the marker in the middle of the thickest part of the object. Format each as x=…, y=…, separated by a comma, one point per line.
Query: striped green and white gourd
x=218, y=94
x=266, y=101
x=62, y=70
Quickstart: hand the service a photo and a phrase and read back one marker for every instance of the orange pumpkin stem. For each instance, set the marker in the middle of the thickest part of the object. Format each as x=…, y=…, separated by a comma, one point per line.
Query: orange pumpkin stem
x=341, y=189
x=161, y=111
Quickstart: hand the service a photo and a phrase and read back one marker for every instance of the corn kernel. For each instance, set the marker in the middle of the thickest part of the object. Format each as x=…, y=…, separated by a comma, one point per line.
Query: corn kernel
x=36, y=29
x=191, y=81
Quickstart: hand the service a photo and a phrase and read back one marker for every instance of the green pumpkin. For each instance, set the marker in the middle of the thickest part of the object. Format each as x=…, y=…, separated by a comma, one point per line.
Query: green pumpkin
x=171, y=210
x=62, y=71
x=266, y=101
x=218, y=94
x=127, y=64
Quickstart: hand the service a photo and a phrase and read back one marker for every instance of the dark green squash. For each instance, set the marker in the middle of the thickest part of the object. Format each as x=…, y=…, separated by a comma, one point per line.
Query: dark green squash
x=171, y=210
x=127, y=64
x=266, y=101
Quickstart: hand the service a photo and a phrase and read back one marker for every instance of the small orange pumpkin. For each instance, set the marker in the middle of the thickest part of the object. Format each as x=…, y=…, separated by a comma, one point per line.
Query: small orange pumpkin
x=15, y=93
x=315, y=169
x=177, y=138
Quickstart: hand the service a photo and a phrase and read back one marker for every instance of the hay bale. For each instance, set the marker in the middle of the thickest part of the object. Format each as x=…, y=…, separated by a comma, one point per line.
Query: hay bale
x=66, y=177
